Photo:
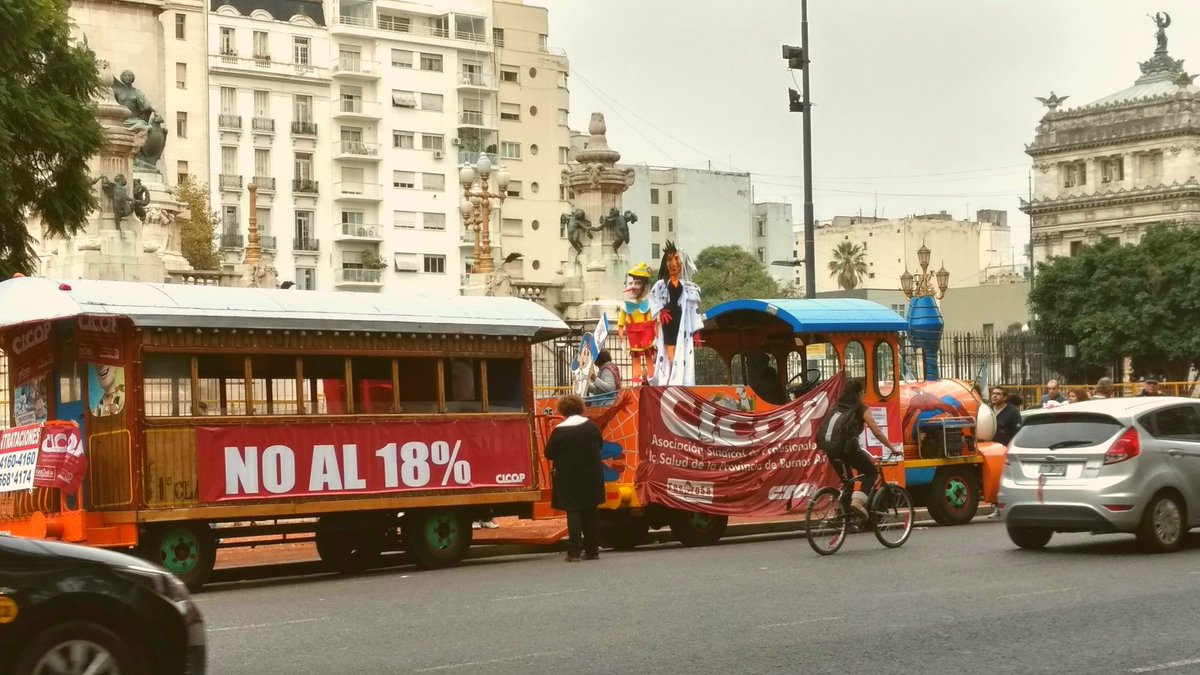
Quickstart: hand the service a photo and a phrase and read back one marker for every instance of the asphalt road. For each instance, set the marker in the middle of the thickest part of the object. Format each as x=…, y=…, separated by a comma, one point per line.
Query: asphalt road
x=950, y=600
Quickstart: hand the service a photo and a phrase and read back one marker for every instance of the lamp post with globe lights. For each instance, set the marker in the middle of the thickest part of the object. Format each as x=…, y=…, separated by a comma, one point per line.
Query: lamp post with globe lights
x=925, y=322
x=476, y=207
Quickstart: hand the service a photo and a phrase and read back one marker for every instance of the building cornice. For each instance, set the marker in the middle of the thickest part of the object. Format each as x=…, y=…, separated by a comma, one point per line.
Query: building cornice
x=1150, y=193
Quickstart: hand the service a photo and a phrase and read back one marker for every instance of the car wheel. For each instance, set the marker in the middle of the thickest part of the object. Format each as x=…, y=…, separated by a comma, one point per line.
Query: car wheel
x=187, y=550
x=1162, y=524
x=78, y=647
x=954, y=496
x=697, y=529
x=1030, y=537
x=347, y=549
x=624, y=535
x=436, y=539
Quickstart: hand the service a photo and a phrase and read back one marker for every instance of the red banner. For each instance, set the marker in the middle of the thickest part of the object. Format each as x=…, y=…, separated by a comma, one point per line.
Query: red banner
x=62, y=461
x=33, y=352
x=97, y=340
x=275, y=462
x=701, y=456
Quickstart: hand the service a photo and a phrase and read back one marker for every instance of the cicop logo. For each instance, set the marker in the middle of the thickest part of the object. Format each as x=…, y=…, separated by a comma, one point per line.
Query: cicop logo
x=31, y=338
x=786, y=492
x=98, y=324
x=510, y=478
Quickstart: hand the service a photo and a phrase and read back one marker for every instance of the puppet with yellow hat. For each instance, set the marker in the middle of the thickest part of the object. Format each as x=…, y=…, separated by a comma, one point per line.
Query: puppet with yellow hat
x=636, y=322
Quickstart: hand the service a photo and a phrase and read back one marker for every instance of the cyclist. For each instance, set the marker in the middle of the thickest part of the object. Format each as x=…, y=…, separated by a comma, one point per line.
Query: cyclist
x=845, y=435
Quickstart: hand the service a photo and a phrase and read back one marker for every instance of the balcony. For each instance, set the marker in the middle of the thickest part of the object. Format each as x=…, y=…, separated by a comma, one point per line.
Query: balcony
x=229, y=56
x=267, y=242
x=262, y=60
x=264, y=183
x=353, y=276
x=306, y=245
x=356, y=192
x=306, y=186
x=349, y=149
x=232, y=242
x=355, y=68
x=304, y=128
x=474, y=118
x=230, y=182
x=262, y=125
x=262, y=64
x=360, y=232
x=229, y=122
x=469, y=157
x=356, y=108
x=472, y=81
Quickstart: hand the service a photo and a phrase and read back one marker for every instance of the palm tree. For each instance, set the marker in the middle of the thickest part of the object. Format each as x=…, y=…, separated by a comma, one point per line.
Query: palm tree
x=849, y=265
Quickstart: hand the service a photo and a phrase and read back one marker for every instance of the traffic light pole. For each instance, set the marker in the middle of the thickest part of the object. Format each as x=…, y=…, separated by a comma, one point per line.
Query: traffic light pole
x=810, y=246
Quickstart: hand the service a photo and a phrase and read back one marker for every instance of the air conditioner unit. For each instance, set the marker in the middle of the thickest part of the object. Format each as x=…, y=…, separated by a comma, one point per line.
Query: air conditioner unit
x=438, y=154
x=456, y=141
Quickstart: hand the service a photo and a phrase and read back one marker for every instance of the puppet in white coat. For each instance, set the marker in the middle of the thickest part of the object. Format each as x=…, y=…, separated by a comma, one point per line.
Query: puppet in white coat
x=675, y=303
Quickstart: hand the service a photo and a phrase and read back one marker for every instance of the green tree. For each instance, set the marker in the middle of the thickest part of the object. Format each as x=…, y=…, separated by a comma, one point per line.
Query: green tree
x=1116, y=301
x=849, y=265
x=732, y=273
x=198, y=238
x=48, y=128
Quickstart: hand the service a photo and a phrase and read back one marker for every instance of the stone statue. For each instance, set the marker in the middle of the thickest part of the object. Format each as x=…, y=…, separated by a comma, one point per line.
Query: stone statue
x=620, y=226
x=116, y=191
x=144, y=119
x=1052, y=101
x=141, y=199
x=577, y=224
x=1162, y=20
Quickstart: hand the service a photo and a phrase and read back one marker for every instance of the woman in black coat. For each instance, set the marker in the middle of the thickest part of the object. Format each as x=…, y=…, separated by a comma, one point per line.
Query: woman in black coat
x=578, y=486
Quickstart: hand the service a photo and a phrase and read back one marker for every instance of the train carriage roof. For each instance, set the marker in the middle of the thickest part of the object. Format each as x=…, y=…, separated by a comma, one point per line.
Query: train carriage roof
x=28, y=300
x=827, y=315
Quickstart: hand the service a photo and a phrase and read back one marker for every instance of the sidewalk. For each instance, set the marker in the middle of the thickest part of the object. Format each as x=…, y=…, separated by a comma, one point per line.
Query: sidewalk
x=514, y=536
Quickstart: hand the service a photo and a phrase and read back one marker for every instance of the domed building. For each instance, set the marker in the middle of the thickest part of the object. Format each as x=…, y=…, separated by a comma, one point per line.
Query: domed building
x=1113, y=167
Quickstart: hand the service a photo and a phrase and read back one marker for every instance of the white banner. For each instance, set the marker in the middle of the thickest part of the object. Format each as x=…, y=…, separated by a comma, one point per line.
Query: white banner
x=18, y=457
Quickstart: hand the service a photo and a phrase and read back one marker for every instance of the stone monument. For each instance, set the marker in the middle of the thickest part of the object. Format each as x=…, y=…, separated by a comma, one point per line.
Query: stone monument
x=597, y=229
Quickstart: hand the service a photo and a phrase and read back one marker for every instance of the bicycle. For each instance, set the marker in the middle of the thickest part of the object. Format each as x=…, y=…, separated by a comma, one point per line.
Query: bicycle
x=889, y=513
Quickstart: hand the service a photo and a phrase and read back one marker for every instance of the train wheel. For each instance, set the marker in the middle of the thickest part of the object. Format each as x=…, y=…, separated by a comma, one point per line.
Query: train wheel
x=436, y=539
x=624, y=535
x=954, y=495
x=187, y=550
x=697, y=529
x=349, y=549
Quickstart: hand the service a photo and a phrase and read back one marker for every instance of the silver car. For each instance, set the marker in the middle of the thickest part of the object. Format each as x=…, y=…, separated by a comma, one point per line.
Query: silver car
x=1112, y=465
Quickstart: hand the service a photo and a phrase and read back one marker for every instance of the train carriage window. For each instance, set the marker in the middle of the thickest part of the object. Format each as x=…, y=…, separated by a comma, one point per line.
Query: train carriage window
x=324, y=385
x=462, y=386
x=818, y=356
x=167, y=385
x=274, y=385
x=885, y=369
x=710, y=369
x=418, y=386
x=222, y=384
x=505, y=385
x=372, y=385
x=856, y=361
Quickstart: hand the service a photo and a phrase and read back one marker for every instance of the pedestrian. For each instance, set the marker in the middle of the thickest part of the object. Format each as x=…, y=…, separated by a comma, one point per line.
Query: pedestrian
x=1008, y=422
x=604, y=378
x=1104, y=388
x=578, y=483
x=1077, y=395
x=1053, y=393
x=1017, y=401
x=1150, y=387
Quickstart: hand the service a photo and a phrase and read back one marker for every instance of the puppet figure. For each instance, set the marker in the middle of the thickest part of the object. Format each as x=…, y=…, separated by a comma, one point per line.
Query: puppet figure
x=675, y=303
x=637, y=324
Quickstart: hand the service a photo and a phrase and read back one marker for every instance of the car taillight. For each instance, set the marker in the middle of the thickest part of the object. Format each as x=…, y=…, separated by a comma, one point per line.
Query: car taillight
x=1127, y=446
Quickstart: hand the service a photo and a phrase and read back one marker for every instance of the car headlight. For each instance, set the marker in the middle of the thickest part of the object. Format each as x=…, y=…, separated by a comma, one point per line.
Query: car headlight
x=161, y=582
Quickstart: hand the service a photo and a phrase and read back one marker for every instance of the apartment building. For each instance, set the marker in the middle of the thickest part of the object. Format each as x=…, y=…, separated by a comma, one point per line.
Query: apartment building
x=185, y=94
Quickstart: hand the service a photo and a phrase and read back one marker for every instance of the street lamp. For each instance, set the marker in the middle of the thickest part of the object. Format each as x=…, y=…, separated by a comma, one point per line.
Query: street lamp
x=922, y=284
x=476, y=204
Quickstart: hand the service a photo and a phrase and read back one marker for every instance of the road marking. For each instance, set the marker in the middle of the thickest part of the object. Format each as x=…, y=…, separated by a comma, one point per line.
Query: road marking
x=488, y=662
x=267, y=625
x=1165, y=666
x=536, y=595
x=1047, y=592
x=797, y=623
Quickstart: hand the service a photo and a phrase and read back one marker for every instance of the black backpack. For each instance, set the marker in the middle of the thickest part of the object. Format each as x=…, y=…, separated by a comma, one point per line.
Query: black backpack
x=839, y=427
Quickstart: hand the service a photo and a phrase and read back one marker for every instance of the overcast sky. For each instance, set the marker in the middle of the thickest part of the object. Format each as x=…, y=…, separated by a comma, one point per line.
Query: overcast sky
x=926, y=103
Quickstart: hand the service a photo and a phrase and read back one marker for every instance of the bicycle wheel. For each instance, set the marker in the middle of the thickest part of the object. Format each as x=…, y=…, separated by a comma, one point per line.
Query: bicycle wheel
x=892, y=516
x=825, y=523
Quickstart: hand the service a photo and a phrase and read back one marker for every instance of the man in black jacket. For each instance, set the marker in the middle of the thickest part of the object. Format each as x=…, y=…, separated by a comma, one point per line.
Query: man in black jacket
x=578, y=486
x=1008, y=421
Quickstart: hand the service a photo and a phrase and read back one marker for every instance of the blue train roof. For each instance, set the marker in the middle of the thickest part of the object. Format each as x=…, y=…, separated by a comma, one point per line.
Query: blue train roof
x=817, y=316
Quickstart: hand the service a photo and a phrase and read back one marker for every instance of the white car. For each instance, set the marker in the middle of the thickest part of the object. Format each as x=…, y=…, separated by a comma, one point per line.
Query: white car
x=1113, y=465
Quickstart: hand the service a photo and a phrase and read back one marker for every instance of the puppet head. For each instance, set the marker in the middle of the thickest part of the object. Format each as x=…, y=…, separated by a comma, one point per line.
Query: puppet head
x=637, y=282
x=675, y=264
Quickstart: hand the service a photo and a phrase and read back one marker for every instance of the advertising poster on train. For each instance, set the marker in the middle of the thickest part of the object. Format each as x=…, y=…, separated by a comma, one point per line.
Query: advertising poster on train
x=97, y=340
x=18, y=457
x=276, y=462
x=702, y=456
x=32, y=352
x=62, y=462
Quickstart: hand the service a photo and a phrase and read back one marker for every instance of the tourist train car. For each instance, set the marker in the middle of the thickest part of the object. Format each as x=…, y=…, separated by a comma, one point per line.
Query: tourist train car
x=173, y=418
x=769, y=347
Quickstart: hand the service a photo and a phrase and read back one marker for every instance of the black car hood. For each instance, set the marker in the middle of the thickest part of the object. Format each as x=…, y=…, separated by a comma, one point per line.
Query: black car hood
x=70, y=552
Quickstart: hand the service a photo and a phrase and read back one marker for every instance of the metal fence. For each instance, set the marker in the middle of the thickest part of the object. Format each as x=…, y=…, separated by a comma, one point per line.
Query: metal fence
x=1015, y=359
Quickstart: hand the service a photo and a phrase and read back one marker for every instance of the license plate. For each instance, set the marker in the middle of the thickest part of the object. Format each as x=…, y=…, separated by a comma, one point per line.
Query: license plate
x=1053, y=469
